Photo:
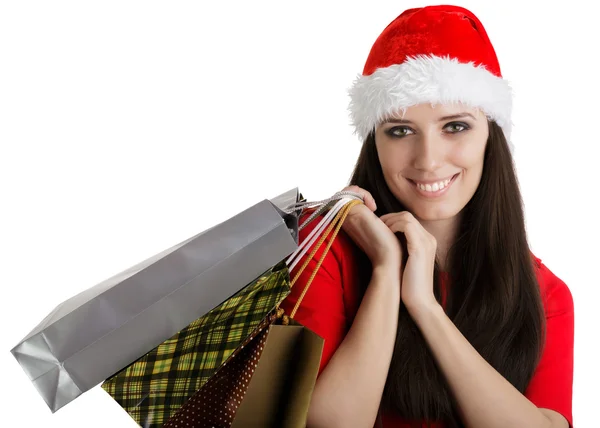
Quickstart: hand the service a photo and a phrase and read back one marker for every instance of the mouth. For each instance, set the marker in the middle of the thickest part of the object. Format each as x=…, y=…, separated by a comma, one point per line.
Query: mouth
x=433, y=190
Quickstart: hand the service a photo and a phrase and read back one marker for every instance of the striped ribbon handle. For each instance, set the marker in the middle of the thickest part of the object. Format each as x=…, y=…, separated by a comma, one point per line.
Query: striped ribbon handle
x=337, y=223
x=293, y=259
x=327, y=204
x=308, y=204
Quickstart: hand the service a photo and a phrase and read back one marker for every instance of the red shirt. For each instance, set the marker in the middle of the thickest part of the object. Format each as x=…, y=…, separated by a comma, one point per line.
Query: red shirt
x=334, y=297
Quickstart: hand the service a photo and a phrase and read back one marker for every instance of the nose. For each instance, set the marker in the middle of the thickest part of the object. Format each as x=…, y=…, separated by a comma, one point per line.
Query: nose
x=429, y=152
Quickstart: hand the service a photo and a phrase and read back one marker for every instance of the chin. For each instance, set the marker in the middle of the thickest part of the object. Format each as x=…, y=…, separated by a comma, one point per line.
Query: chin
x=428, y=216
x=434, y=213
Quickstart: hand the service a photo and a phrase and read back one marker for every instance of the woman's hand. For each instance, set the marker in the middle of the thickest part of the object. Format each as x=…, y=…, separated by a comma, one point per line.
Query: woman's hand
x=370, y=233
x=417, y=279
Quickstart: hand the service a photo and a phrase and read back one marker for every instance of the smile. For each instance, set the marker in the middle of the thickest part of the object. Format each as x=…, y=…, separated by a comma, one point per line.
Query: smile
x=433, y=190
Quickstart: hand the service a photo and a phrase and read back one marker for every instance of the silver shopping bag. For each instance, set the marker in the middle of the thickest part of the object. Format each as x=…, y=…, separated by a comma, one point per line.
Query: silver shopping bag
x=96, y=333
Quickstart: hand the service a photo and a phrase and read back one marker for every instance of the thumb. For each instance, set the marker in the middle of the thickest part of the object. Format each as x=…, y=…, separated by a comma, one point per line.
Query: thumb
x=370, y=203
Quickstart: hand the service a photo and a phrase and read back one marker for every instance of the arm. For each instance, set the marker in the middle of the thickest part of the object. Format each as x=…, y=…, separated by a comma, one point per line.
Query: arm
x=358, y=325
x=484, y=397
x=349, y=389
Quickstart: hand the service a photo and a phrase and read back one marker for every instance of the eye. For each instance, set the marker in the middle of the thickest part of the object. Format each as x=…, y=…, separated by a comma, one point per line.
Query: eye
x=457, y=127
x=398, y=131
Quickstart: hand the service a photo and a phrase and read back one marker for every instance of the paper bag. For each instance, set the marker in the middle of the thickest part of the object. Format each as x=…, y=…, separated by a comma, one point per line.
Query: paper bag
x=98, y=332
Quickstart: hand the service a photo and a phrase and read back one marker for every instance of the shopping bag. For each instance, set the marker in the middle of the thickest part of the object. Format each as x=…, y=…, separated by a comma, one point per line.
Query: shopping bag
x=154, y=387
x=96, y=333
x=281, y=387
x=268, y=381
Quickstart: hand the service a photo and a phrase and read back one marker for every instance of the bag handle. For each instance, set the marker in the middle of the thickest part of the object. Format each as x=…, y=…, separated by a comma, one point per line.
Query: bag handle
x=337, y=222
x=314, y=234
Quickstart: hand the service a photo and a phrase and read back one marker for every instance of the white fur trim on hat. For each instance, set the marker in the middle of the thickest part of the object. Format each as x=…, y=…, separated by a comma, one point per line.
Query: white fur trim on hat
x=431, y=79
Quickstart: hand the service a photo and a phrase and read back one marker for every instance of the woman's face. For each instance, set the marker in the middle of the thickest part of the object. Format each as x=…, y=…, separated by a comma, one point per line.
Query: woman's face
x=432, y=163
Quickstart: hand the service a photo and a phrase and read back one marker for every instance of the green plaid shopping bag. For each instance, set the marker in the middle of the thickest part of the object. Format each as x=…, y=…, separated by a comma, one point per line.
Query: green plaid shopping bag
x=154, y=387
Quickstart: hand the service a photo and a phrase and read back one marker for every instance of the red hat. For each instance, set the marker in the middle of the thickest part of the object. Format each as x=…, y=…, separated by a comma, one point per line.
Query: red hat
x=435, y=54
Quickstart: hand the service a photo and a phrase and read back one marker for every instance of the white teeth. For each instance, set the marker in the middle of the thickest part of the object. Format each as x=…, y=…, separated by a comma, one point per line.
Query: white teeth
x=434, y=187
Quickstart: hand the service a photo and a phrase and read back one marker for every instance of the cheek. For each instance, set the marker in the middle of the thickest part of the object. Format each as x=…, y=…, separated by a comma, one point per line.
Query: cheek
x=469, y=156
x=472, y=166
x=392, y=161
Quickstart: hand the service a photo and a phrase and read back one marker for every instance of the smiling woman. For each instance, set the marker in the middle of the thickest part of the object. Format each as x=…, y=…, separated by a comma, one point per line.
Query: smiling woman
x=461, y=325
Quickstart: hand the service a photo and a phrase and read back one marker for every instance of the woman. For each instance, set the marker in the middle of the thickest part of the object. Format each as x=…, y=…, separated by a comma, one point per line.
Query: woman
x=456, y=323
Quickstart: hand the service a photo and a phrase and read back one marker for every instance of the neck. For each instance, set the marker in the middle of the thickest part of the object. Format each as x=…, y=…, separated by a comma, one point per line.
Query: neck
x=444, y=231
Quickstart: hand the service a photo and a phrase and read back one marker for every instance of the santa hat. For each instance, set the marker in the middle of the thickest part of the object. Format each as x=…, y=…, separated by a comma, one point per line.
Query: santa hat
x=435, y=54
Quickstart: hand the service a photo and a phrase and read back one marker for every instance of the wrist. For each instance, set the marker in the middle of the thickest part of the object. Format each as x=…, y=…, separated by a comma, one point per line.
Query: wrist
x=423, y=309
x=388, y=270
x=389, y=277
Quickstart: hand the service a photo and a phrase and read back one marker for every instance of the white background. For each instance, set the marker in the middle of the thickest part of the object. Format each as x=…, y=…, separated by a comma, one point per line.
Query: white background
x=127, y=127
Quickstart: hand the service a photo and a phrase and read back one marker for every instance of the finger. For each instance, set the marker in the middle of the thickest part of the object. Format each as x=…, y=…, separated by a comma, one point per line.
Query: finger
x=390, y=217
x=397, y=224
x=402, y=214
x=412, y=229
x=407, y=215
x=367, y=197
x=417, y=238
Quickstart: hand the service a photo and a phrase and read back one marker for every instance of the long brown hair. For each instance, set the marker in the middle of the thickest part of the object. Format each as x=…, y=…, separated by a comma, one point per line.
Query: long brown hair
x=493, y=297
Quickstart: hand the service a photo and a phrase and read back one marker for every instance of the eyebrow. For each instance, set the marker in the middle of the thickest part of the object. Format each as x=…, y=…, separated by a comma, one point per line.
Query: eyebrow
x=454, y=116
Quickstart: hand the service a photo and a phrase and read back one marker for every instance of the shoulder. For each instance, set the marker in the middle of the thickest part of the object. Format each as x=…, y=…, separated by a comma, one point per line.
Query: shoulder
x=555, y=293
